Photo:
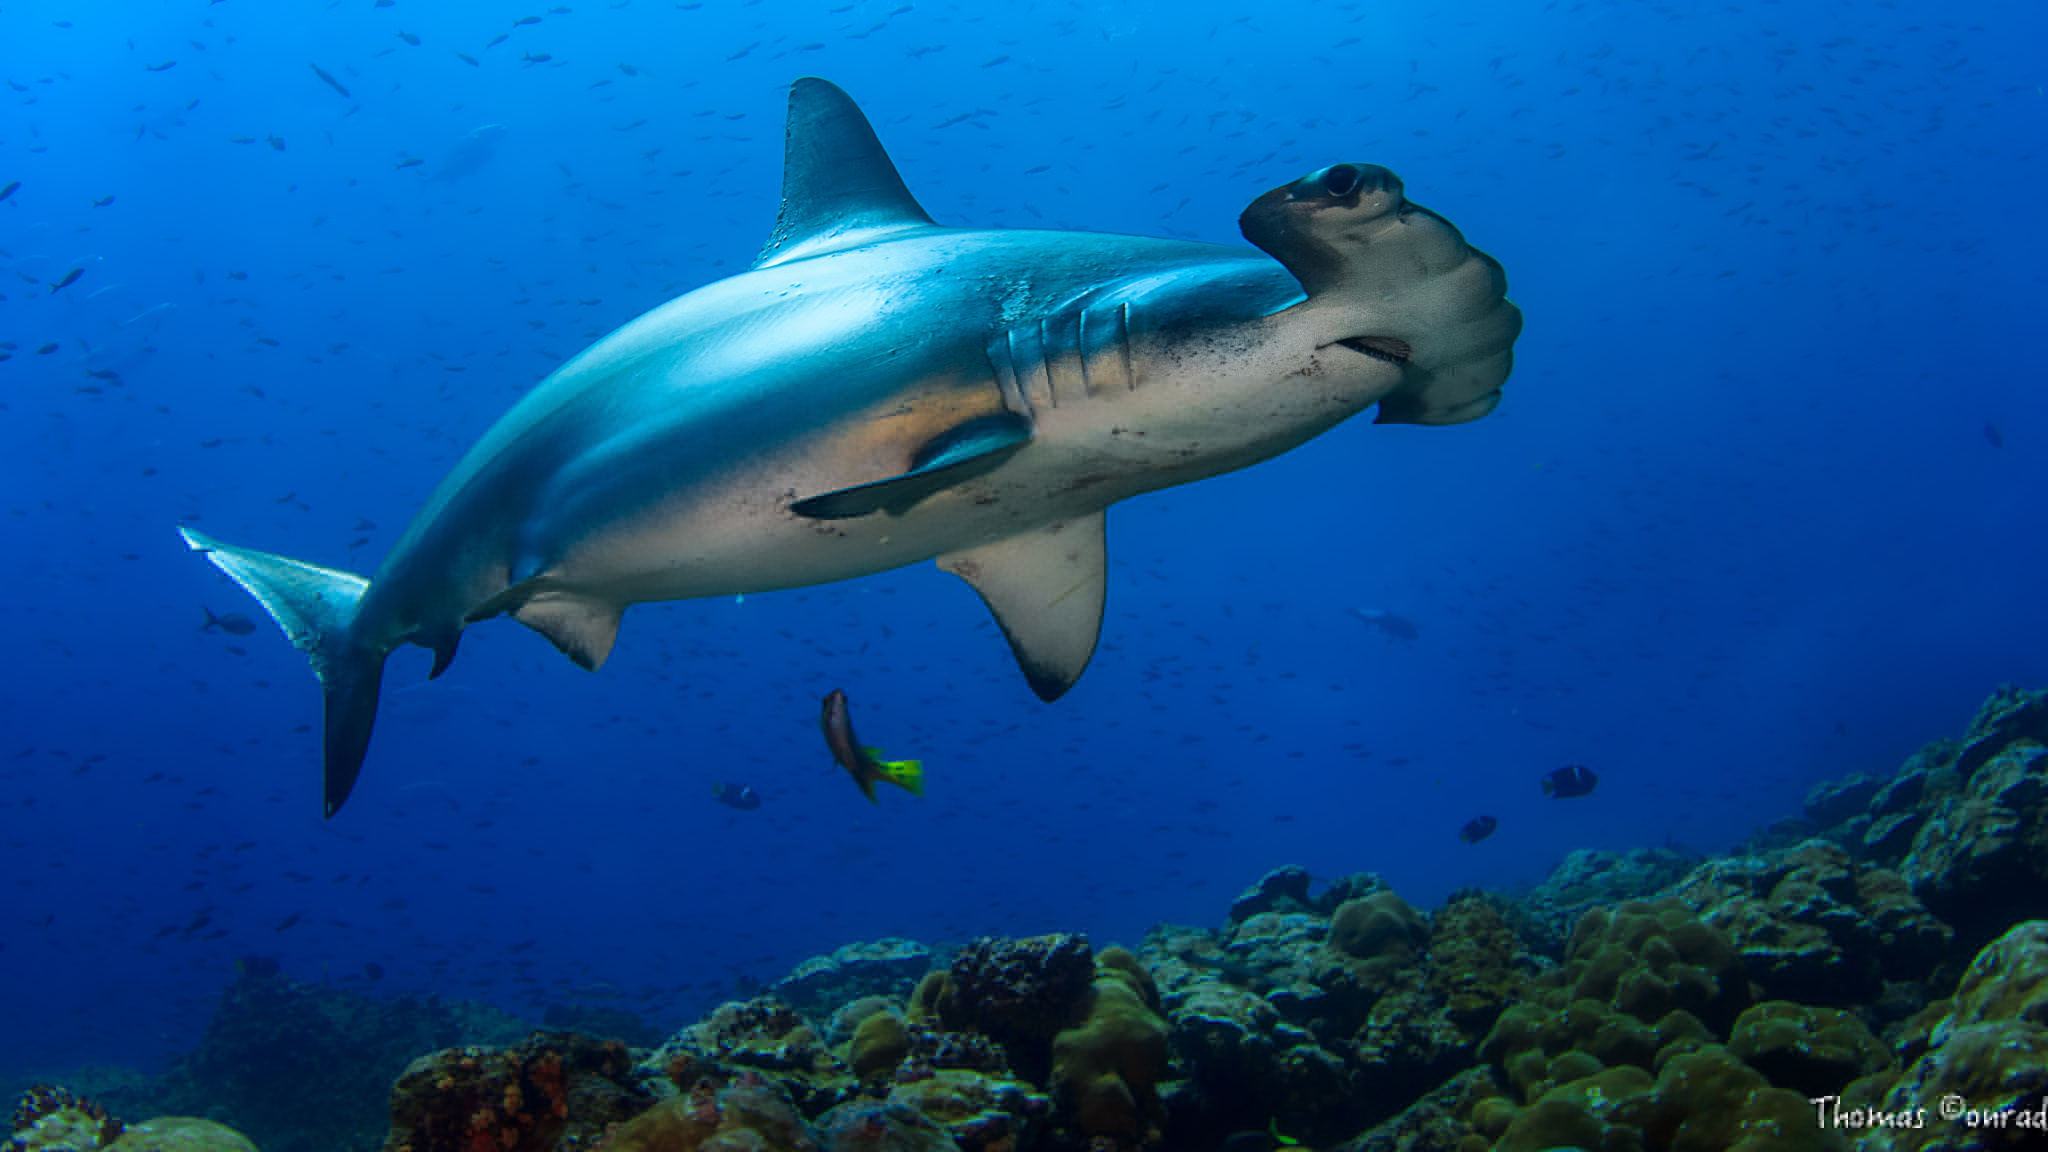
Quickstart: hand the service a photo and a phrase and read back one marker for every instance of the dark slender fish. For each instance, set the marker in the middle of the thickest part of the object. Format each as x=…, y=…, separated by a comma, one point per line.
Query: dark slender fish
x=9, y=189
x=331, y=81
x=1991, y=432
x=1388, y=624
x=67, y=280
x=233, y=623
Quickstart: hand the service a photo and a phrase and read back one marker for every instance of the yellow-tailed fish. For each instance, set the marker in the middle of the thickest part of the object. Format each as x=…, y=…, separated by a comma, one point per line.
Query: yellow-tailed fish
x=865, y=764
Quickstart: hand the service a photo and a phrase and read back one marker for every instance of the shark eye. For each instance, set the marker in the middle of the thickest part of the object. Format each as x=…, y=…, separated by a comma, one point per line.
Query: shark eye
x=1341, y=179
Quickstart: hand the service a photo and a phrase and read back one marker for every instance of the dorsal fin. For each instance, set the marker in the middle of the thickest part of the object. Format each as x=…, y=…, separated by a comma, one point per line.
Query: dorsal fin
x=839, y=188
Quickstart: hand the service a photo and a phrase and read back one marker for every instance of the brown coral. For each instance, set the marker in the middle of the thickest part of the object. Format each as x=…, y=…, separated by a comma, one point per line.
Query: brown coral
x=45, y=1110
x=522, y=1099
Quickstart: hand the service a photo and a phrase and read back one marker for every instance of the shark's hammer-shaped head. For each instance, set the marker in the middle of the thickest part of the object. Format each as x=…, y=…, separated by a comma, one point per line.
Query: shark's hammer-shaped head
x=1391, y=280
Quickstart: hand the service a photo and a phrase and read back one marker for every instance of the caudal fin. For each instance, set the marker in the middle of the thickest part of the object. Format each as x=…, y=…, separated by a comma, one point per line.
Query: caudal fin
x=315, y=606
x=905, y=774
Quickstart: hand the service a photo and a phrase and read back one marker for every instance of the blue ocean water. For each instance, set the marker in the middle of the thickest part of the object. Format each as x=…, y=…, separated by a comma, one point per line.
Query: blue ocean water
x=1762, y=506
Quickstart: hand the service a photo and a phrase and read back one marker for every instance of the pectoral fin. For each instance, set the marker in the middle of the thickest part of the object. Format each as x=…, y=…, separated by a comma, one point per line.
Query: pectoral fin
x=970, y=450
x=582, y=630
x=1045, y=589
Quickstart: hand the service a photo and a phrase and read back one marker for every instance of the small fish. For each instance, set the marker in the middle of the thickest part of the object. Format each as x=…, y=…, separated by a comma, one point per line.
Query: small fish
x=535, y=58
x=865, y=765
x=1477, y=830
x=166, y=66
x=103, y=201
x=736, y=796
x=9, y=189
x=467, y=59
x=46, y=349
x=67, y=280
x=1570, y=782
x=233, y=623
x=526, y=20
x=1992, y=435
x=410, y=162
x=287, y=922
x=409, y=38
x=331, y=81
x=276, y=142
x=1388, y=624
x=500, y=38
x=373, y=971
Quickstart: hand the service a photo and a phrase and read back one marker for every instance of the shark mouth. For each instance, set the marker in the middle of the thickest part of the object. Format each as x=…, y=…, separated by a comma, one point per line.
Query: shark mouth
x=1379, y=348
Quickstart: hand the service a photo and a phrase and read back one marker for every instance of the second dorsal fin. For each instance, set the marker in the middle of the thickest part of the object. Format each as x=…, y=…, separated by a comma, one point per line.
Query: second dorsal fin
x=839, y=188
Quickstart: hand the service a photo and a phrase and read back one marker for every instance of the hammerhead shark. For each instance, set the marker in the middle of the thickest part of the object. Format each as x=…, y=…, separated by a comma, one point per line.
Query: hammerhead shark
x=879, y=390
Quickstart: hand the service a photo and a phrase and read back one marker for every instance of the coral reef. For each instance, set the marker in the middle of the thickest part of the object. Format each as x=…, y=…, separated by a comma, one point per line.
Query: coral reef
x=1989, y=1050
x=49, y=1119
x=181, y=1134
x=1812, y=992
x=888, y=968
x=1813, y=1051
x=1963, y=822
x=1019, y=993
x=980, y=1113
x=1106, y=1068
x=552, y=1088
x=750, y=1115
x=1814, y=925
x=304, y=1067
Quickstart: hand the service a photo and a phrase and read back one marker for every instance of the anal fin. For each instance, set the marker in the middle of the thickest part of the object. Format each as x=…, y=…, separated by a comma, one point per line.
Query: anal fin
x=1045, y=589
x=582, y=630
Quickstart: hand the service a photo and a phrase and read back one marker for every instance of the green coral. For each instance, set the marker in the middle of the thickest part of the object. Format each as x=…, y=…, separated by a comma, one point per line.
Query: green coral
x=753, y=1117
x=980, y=1113
x=1814, y=1051
x=1472, y=961
x=1381, y=927
x=1106, y=1069
x=1651, y=959
x=880, y=1042
x=181, y=1134
x=1701, y=1099
x=1989, y=1051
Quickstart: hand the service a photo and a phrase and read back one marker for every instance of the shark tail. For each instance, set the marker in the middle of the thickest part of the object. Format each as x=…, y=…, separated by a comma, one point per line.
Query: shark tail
x=315, y=607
